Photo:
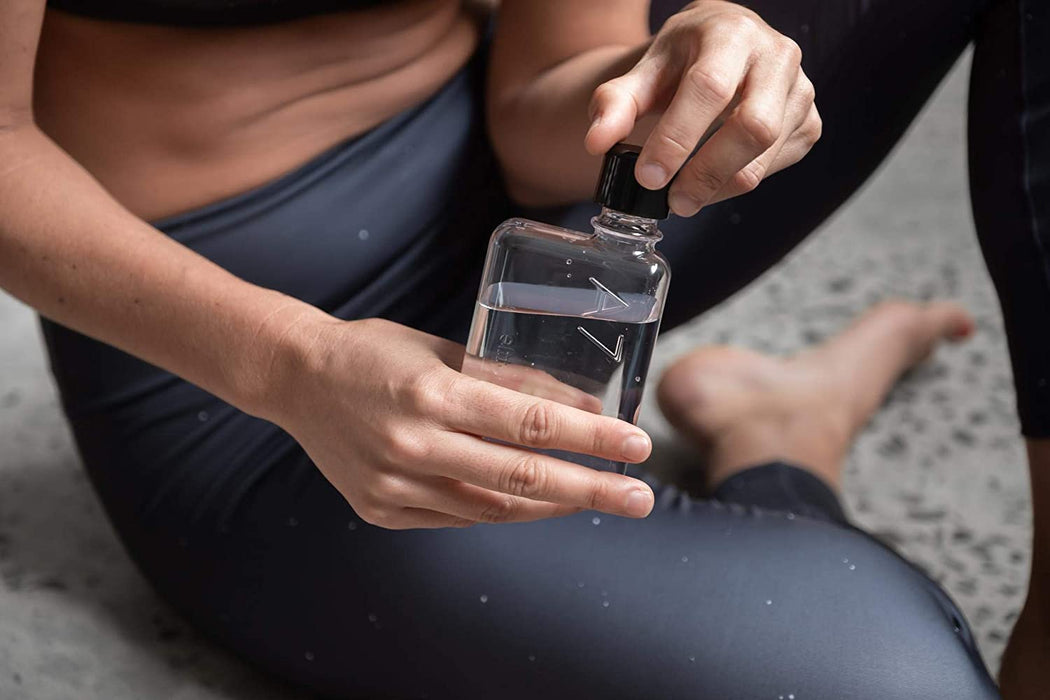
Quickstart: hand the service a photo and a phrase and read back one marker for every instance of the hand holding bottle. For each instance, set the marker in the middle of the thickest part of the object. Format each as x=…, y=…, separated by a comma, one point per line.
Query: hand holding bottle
x=714, y=65
x=383, y=413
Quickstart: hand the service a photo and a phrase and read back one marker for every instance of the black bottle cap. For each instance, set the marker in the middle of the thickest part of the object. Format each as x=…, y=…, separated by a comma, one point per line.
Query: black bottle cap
x=618, y=189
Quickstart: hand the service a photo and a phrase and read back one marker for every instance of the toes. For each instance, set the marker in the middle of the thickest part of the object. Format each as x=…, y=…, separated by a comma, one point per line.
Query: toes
x=952, y=321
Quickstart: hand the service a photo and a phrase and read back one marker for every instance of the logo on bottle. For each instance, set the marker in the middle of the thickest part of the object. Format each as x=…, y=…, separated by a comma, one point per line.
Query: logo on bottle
x=604, y=300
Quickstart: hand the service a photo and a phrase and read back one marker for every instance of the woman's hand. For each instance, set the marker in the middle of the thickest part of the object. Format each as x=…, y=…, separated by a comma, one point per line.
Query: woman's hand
x=385, y=416
x=714, y=65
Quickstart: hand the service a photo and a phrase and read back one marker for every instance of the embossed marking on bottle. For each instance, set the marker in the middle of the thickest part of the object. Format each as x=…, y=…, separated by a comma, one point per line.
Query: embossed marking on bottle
x=605, y=299
x=616, y=355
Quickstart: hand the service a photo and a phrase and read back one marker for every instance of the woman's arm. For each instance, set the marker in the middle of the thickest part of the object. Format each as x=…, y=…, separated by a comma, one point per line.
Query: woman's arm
x=416, y=456
x=73, y=253
x=570, y=79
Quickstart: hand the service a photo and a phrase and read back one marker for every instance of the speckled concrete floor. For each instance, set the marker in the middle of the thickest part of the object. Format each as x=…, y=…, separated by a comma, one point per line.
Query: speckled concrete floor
x=939, y=474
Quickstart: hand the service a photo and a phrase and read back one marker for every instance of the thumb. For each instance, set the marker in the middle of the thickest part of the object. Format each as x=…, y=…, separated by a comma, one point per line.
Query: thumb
x=617, y=104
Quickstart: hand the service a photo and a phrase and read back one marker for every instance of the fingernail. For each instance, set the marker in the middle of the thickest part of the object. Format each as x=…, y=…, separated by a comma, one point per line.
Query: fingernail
x=639, y=503
x=636, y=448
x=683, y=204
x=652, y=175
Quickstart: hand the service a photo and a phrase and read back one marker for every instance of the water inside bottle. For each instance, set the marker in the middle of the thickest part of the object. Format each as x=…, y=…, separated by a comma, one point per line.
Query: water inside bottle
x=585, y=347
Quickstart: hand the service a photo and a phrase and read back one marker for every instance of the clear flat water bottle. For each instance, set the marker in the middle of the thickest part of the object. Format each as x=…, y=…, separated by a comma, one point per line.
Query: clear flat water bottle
x=573, y=316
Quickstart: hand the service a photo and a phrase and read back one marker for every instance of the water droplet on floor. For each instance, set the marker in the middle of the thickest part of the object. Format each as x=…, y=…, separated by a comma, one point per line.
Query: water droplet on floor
x=363, y=234
x=685, y=559
x=202, y=416
x=484, y=598
x=292, y=522
x=605, y=603
x=596, y=520
x=309, y=656
x=769, y=602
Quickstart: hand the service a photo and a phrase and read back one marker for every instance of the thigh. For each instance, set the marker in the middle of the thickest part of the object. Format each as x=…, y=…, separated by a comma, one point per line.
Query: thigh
x=874, y=64
x=699, y=600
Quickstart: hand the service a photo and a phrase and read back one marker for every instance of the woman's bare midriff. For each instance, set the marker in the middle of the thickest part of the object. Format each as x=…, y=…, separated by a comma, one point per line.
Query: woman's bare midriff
x=172, y=118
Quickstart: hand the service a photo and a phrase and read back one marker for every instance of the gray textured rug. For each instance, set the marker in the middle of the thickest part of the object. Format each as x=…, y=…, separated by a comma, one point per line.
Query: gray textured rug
x=939, y=474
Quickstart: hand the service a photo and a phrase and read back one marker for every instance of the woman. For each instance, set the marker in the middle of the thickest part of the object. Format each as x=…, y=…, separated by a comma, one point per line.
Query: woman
x=319, y=166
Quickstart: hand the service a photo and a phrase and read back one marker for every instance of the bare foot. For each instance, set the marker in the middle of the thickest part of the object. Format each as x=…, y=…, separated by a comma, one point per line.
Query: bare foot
x=744, y=408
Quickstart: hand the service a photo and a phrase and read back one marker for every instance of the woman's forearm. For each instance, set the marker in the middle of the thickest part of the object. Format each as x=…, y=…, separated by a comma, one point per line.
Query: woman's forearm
x=74, y=254
x=537, y=125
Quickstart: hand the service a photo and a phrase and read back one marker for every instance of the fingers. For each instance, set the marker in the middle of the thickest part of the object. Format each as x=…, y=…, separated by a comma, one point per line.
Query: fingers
x=474, y=504
x=538, y=477
x=705, y=91
x=754, y=127
x=794, y=144
x=529, y=380
x=483, y=409
x=617, y=104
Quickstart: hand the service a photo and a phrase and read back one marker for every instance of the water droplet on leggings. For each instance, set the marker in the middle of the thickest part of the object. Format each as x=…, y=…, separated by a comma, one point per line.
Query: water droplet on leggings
x=735, y=218
x=292, y=522
x=568, y=275
x=769, y=602
x=605, y=603
x=605, y=594
x=532, y=657
x=309, y=656
x=202, y=416
x=845, y=561
x=852, y=567
x=791, y=696
x=484, y=598
x=790, y=516
x=579, y=584
x=596, y=520
x=372, y=617
x=363, y=234
x=685, y=559
x=692, y=659
x=351, y=525
x=568, y=261
x=637, y=379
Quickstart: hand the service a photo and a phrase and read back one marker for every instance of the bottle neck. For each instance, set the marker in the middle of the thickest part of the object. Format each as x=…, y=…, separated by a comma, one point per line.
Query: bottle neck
x=626, y=228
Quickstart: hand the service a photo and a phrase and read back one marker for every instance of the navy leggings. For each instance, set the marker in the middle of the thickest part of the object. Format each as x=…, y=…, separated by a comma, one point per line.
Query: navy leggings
x=761, y=590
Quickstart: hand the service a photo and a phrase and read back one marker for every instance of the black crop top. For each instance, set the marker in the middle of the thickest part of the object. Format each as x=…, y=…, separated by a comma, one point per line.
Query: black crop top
x=205, y=12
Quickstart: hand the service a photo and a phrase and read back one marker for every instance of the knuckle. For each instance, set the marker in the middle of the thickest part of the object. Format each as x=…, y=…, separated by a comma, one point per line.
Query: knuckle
x=385, y=490
x=538, y=426
x=748, y=178
x=672, y=143
x=702, y=181
x=527, y=476
x=809, y=91
x=813, y=130
x=790, y=48
x=740, y=24
x=427, y=392
x=375, y=515
x=710, y=85
x=404, y=447
x=598, y=496
x=500, y=510
x=759, y=127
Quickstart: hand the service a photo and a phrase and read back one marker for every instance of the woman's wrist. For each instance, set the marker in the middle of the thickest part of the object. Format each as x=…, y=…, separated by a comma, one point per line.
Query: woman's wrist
x=286, y=347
